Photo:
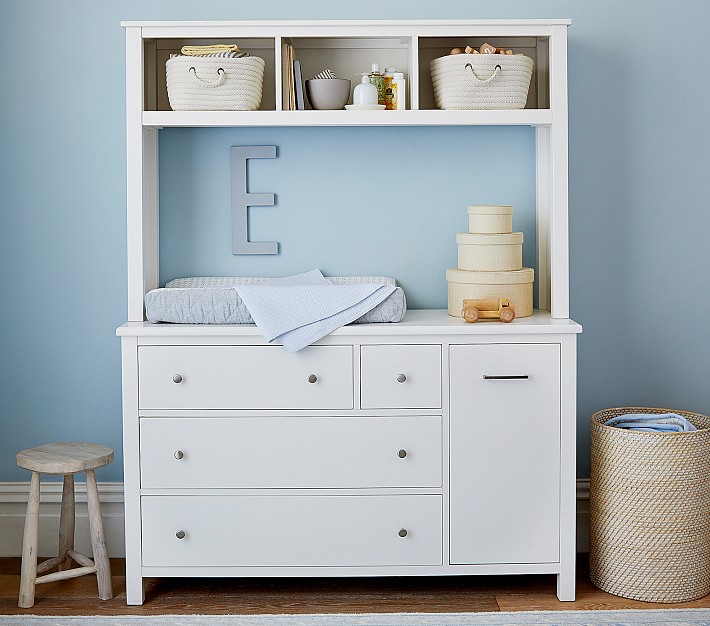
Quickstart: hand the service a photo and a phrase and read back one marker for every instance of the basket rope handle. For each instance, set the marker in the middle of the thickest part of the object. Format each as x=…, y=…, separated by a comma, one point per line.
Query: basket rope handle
x=210, y=83
x=481, y=80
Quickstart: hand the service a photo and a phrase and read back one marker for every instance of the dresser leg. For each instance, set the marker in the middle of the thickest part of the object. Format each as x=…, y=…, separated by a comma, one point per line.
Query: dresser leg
x=135, y=593
x=566, y=586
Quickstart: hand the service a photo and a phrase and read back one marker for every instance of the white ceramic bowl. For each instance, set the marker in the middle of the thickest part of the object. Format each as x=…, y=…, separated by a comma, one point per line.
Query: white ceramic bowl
x=328, y=93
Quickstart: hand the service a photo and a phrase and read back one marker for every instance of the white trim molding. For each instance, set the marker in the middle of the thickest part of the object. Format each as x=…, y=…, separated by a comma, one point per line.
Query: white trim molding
x=13, y=504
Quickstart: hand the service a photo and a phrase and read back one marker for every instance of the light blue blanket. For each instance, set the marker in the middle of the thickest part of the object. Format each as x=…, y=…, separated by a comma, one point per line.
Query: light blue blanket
x=652, y=422
x=299, y=310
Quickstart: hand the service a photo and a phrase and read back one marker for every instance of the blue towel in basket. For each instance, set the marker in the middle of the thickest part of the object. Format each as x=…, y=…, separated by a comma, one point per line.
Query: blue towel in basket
x=652, y=422
x=299, y=310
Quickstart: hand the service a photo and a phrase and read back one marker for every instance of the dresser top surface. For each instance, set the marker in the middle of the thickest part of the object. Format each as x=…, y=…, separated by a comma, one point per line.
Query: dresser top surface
x=415, y=322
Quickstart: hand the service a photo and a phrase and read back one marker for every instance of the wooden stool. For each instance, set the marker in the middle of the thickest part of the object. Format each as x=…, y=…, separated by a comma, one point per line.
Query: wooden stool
x=67, y=459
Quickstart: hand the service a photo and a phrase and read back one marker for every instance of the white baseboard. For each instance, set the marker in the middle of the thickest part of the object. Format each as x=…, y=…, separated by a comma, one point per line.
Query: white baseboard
x=13, y=504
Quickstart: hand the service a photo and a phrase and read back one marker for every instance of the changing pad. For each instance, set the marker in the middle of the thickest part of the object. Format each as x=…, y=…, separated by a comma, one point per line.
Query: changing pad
x=213, y=300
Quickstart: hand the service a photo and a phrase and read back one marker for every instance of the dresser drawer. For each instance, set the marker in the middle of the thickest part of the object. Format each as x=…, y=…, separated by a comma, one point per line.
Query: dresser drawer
x=401, y=377
x=292, y=530
x=291, y=452
x=245, y=377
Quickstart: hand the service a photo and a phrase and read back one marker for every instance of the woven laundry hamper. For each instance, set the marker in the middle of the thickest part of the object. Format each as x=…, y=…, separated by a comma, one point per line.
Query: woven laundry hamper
x=649, y=507
x=214, y=83
x=481, y=81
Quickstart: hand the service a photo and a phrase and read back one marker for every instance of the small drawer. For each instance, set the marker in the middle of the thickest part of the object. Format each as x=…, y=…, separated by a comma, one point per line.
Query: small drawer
x=244, y=377
x=400, y=377
x=295, y=530
x=291, y=452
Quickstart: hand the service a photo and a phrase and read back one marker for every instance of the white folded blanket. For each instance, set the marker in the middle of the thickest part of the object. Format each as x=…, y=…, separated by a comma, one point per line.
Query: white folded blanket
x=299, y=310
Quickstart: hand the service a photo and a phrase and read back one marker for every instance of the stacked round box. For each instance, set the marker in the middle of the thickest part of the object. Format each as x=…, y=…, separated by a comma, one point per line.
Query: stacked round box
x=490, y=262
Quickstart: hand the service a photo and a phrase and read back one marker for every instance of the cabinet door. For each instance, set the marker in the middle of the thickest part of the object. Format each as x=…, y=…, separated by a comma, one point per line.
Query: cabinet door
x=505, y=453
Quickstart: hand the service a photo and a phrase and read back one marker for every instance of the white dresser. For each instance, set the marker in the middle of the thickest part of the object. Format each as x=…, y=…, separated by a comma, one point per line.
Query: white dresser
x=427, y=447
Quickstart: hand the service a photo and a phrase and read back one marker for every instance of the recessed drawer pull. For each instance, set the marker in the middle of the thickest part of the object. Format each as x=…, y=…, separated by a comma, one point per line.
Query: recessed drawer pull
x=402, y=532
x=312, y=378
x=180, y=534
x=179, y=454
x=487, y=377
x=177, y=379
x=402, y=453
x=401, y=378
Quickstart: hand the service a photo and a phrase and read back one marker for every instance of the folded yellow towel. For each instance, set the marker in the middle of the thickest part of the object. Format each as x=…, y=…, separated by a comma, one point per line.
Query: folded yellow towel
x=202, y=50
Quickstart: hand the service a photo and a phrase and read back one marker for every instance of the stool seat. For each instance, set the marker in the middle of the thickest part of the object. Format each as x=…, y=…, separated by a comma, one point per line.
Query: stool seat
x=67, y=457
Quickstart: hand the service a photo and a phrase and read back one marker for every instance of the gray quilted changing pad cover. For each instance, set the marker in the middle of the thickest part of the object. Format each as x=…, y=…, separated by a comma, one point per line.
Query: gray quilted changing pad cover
x=213, y=300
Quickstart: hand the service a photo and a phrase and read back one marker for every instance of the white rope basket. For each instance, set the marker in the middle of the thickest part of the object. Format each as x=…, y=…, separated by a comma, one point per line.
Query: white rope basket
x=214, y=83
x=481, y=81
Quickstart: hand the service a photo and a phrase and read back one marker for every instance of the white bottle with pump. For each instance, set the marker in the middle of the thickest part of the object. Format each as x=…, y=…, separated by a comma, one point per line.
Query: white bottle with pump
x=400, y=91
x=365, y=93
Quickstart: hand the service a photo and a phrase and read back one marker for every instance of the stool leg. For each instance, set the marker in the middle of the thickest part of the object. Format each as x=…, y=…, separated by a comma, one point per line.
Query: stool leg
x=29, y=547
x=66, y=521
x=98, y=541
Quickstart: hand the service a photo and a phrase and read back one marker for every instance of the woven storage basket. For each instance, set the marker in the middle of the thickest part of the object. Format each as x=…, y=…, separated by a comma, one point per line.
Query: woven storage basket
x=481, y=81
x=214, y=83
x=649, y=506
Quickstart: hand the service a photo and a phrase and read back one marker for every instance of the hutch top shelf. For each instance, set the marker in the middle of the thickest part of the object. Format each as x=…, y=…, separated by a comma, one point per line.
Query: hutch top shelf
x=349, y=48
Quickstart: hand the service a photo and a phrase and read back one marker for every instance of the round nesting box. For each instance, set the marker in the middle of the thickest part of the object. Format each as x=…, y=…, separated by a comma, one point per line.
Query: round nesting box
x=649, y=507
x=490, y=253
x=516, y=286
x=488, y=218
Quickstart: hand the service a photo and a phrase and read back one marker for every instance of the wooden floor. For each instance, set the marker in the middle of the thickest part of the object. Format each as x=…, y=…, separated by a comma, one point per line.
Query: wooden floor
x=78, y=596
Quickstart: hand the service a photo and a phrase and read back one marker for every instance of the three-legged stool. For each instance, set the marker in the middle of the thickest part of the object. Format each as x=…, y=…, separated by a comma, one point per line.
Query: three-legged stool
x=66, y=459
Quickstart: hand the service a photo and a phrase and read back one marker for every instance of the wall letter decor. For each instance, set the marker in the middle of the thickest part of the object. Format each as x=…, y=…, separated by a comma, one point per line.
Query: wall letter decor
x=242, y=200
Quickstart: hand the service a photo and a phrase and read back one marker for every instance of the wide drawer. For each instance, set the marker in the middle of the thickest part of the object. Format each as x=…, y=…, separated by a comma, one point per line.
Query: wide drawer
x=245, y=377
x=292, y=530
x=286, y=452
x=401, y=377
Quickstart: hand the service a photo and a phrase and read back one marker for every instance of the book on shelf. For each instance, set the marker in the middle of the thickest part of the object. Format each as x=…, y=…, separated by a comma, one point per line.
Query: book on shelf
x=298, y=84
x=288, y=98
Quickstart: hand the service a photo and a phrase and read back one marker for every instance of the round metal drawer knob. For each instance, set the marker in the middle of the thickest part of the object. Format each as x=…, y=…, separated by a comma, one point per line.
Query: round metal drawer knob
x=401, y=454
x=402, y=532
x=179, y=454
x=177, y=378
x=312, y=378
x=180, y=534
x=401, y=378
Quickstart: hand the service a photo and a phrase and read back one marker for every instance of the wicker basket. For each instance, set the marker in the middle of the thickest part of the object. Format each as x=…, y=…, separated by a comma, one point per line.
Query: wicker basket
x=649, y=505
x=214, y=83
x=481, y=81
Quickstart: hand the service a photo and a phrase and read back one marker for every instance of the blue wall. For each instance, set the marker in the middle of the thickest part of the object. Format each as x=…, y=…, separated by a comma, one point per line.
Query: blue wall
x=639, y=200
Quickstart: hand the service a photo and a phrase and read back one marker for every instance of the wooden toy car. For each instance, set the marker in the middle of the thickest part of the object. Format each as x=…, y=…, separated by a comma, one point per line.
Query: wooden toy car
x=488, y=309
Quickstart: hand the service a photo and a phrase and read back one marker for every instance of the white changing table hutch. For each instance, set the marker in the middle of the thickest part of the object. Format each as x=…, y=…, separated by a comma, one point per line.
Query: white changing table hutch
x=428, y=447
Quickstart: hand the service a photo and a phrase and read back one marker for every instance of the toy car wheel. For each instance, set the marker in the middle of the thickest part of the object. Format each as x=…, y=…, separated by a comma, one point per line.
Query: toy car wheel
x=470, y=314
x=507, y=314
